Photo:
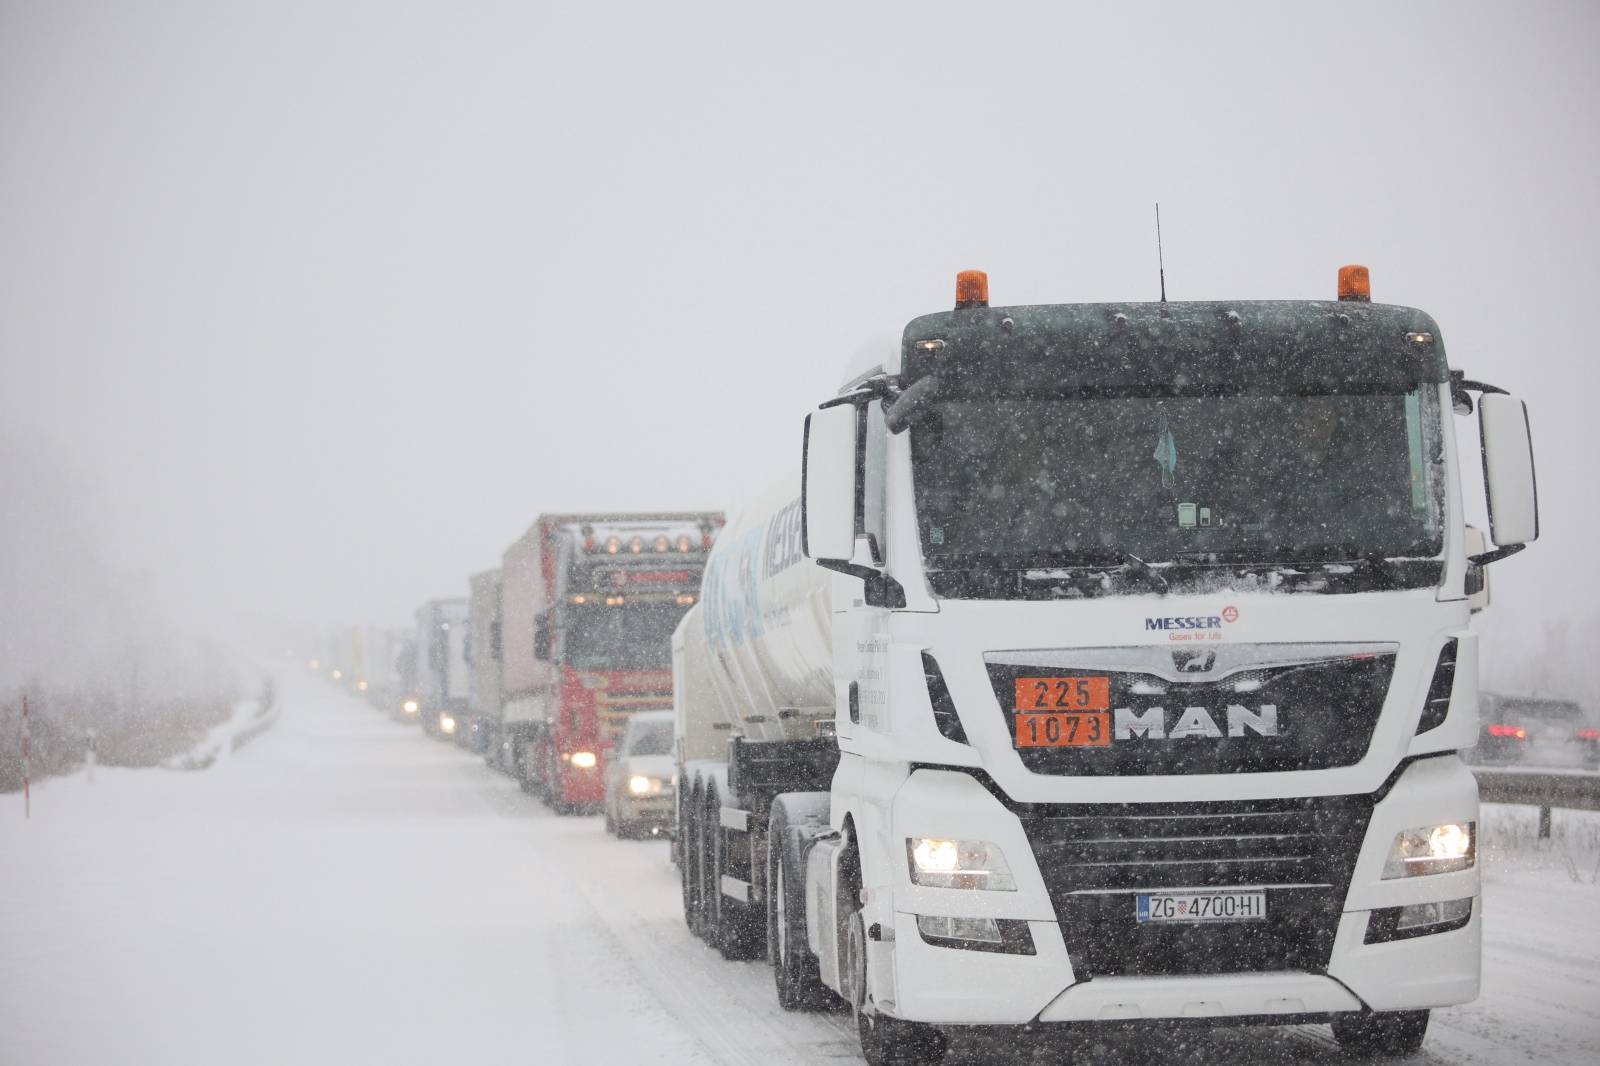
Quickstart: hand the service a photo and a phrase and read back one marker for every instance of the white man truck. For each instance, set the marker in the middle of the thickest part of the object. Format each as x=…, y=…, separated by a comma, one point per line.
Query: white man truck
x=1107, y=663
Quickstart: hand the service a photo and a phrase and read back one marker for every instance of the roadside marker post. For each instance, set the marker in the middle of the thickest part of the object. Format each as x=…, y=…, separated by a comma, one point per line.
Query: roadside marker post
x=27, y=795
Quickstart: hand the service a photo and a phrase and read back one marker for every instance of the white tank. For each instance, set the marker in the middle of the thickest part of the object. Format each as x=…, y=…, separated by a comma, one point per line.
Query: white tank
x=754, y=657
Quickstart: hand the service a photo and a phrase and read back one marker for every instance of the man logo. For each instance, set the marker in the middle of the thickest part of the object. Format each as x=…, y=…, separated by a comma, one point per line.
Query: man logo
x=1193, y=662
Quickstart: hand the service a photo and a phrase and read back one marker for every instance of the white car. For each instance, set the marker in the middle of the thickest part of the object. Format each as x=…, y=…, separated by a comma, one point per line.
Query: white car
x=639, y=777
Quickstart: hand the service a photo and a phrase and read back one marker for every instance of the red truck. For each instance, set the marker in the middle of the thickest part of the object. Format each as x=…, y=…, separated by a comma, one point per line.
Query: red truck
x=588, y=605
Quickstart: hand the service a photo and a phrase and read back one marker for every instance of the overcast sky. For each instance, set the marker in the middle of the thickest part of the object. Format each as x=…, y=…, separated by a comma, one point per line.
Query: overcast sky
x=311, y=307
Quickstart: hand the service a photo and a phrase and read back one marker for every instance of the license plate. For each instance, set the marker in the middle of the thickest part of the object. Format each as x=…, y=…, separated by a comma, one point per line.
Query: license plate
x=1201, y=906
x=1063, y=694
x=1063, y=730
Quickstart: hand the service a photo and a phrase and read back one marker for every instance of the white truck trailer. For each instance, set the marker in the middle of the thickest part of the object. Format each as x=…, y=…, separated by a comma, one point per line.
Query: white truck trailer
x=438, y=677
x=1107, y=664
x=483, y=653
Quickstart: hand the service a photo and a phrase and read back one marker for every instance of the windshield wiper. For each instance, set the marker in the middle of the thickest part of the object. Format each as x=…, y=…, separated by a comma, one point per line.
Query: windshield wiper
x=1132, y=565
x=1088, y=575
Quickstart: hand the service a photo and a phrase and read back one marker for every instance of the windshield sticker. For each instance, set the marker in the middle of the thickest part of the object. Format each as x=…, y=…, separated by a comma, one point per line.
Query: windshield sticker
x=1186, y=515
x=1166, y=453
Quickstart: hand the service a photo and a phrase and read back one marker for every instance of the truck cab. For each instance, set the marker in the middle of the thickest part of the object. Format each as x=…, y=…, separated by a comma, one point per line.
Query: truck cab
x=589, y=602
x=1150, y=661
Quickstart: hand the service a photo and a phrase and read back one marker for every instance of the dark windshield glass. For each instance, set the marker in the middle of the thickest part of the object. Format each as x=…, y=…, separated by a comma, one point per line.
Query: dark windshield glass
x=1080, y=481
x=650, y=738
x=631, y=637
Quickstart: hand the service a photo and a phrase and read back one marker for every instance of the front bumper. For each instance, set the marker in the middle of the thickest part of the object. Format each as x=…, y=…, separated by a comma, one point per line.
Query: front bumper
x=651, y=809
x=1110, y=975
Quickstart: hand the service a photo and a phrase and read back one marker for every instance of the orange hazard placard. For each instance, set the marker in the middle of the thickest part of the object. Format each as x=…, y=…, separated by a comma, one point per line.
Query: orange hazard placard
x=1070, y=730
x=1063, y=694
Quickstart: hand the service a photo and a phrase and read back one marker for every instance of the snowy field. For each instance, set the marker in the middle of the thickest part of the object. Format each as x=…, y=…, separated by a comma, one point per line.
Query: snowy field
x=344, y=890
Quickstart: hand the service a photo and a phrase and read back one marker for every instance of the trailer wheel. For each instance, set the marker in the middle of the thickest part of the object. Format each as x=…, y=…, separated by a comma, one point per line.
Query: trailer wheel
x=1386, y=1033
x=519, y=766
x=794, y=968
x=688, y=858
x=703, y=917
x=705, y=882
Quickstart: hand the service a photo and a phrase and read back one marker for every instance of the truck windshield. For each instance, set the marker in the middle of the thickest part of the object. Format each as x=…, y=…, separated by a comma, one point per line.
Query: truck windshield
x=633, y=636
x=650, y=738
x=1014, y=483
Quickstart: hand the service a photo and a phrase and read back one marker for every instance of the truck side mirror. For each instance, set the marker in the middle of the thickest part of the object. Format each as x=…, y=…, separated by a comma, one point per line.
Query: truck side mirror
x=1508, y=479
x=828, y=483
x=541, y=638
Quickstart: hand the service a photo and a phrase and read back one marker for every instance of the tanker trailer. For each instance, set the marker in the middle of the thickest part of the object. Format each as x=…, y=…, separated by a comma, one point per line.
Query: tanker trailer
x=754, y=694
x=1106, y=663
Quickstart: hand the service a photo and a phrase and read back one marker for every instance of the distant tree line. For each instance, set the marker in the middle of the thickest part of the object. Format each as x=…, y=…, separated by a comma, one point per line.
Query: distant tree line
x=147, y=733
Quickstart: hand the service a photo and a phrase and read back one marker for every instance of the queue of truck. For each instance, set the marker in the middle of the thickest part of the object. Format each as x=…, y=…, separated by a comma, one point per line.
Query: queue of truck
x=1087, y=664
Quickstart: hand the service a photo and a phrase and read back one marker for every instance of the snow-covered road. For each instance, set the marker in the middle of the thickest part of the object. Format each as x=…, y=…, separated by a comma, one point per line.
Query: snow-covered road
x=345, y=890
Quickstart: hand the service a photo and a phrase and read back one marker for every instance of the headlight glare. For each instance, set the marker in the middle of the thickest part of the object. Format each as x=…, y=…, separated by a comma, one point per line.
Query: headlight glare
x=583, y=760
x=639, y=785
x=942, y=863
x=1432, y=849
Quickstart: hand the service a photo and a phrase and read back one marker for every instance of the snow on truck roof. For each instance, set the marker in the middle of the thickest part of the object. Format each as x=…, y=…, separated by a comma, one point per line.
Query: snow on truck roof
x=1185, y=348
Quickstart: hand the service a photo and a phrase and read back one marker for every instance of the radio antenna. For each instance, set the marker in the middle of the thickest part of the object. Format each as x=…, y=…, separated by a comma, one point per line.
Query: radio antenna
x=1161, y=262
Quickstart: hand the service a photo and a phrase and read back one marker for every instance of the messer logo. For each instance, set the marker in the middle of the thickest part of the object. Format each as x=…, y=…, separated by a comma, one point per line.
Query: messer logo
x=1227, y=616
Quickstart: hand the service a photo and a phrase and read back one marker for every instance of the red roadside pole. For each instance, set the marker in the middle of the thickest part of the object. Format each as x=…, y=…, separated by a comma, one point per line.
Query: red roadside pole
x=27, y=796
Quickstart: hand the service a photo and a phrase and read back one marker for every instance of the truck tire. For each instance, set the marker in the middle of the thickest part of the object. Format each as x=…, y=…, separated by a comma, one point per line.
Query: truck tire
x=519, y=767
x=885, y=1041
x=737, y=928
x=1385, y=1033
x=697, y=862
x=687, y=857
x=794, y=968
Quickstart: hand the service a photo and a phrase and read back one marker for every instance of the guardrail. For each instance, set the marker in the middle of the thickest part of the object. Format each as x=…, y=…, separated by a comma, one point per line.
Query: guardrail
x=1540, y=787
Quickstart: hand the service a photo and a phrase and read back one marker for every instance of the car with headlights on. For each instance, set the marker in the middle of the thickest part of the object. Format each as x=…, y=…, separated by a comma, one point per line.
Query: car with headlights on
x=639, y=777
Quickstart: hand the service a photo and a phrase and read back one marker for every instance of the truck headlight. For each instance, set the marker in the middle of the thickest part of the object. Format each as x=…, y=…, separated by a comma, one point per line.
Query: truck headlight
x=1432, y=849
x=447, y=724
x=409, y=706
x=1417, y=919
x=639, y=785
x=975, y=930
x=1007, y=936
x=940, y=863
x=583, y=760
